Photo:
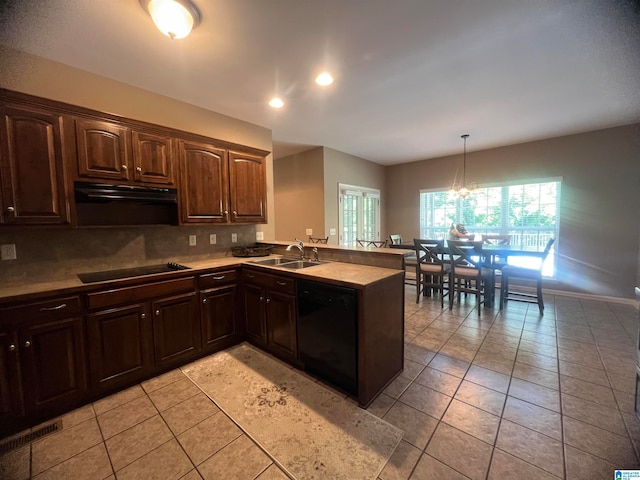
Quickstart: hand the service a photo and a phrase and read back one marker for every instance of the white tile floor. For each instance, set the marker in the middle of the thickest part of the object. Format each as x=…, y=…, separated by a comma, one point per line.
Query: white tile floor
x=507, y=395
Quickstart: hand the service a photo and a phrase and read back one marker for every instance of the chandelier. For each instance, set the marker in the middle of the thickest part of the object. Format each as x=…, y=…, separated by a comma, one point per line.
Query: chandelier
x=463, y=189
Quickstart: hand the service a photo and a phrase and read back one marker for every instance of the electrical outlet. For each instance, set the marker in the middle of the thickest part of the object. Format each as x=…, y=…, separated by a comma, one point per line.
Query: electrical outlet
x=332, y=231
x=8, y=251
x=212, y=239
x=234, y=237
x=259, y=235
x=309, y=231
x=192, y=240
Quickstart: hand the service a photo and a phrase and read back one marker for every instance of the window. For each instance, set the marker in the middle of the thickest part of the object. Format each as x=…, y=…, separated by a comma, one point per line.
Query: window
x=359, y=214
x=528, y=213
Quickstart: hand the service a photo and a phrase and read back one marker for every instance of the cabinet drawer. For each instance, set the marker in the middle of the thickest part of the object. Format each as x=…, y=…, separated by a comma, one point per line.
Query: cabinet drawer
x=53, y=308
x=212, y=280
x=118, y=296
x=273, y=282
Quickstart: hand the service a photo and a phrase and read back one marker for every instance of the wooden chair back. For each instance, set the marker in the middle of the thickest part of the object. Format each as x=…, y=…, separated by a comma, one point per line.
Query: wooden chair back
x=318, y=239
x=493, y=239
x=395, y=239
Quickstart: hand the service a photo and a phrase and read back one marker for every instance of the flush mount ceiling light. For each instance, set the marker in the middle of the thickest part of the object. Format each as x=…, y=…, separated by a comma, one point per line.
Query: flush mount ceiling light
x=324, y=79
x=174, y=18
x=276, y=102
x=462, y=190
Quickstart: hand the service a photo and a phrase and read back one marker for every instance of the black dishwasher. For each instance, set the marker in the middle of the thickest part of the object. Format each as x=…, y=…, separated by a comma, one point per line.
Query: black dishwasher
x=327, y=333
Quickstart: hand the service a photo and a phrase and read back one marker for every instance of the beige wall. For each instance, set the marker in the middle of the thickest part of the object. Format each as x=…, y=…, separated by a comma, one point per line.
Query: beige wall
x=299, y=184
x=341, y=167
x=599, y=220
x=34, y=75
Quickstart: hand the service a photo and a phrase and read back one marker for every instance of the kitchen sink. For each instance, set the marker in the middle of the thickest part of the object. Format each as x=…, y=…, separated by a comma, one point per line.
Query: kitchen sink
x=273, y=261
x=287, y=263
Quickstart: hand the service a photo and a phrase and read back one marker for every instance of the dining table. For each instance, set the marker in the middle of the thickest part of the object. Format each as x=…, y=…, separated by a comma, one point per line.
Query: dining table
x=491, y=253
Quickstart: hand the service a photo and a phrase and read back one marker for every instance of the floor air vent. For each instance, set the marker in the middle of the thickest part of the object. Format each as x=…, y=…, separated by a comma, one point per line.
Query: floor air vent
x=30, y=437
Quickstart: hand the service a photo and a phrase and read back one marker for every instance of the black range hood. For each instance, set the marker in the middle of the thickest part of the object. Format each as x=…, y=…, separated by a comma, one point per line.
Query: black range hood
x=100, y=204
x=100, y=193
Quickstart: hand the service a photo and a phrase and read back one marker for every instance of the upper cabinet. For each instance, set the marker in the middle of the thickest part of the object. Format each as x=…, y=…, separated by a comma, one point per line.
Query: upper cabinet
x=248, y=182
x=107, y=150
x=221, y=186
x=32, y=159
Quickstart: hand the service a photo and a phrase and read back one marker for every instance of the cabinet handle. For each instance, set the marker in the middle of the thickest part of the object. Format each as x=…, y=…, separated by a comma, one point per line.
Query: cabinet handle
x=157, y=312
x=261, y=298
x=221, y=277
x=12, y=347
x=124, y=167
x=281, y=283
x=250, y=275
x=268, y=300
x=52, y=309
x=204, y=300
x=138, y=169
x=27, y=344
x=11, y=209
x=235, y=214
x=144, y=315
x=226, y=212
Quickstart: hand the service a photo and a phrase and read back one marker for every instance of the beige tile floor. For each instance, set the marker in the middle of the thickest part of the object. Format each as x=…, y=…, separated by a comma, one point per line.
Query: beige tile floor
x=507, y=395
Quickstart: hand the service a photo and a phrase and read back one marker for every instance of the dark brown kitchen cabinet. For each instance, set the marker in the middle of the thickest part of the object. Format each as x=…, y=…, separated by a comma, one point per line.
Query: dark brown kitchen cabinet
x=42, y=363
x=220, y=186
x=218, y=307
x=138, y=330
x=104, y=150
x=204, y=188
x=247, y=188
x=120, y=344
x=153, y=158
x=112, y=151
x=270, y=312
x=176, y=329
x=33, y=150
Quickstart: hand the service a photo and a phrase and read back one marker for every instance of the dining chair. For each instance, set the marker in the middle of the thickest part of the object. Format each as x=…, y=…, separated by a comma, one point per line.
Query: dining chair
x=431, y=268
x=524, y=273
x=318, y=239
x=371, y=243
x=468, y=271
x=395, y=239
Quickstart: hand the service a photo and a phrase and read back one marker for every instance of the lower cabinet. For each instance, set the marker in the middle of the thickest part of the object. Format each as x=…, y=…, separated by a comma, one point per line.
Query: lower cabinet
x=120, y=346
x=42, y=359
x=270, y=312
x=218, y=310
x=136, y=331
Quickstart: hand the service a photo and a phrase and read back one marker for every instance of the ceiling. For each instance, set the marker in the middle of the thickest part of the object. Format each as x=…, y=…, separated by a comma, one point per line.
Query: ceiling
x=411, y=76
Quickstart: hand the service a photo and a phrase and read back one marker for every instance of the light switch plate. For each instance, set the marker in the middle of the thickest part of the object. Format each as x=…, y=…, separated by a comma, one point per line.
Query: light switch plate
x=212, y=239
x=8, y=251
x=309, y=231
x=192, y=240
x=332, y=231
x=259, y=235
x=234, y=237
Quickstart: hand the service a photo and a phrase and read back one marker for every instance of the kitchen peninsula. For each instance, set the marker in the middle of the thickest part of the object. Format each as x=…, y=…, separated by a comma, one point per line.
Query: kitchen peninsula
x=67, y=343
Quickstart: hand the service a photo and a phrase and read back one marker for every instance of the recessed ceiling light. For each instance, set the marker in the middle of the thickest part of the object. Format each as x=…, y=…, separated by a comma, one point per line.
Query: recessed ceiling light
x=276, y=102
x=324, y=79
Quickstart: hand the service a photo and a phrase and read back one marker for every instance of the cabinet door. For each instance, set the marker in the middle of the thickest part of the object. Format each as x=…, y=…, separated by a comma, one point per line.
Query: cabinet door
x=176, y=329
x=152, y=158
x=32, y=167
x=53, y=363
x=204, y=182
x=103, y=150
x=218, y=317
x=281, y=323
x=254, y=311
x=10, y=384
x=120, y=346
x=247, y=180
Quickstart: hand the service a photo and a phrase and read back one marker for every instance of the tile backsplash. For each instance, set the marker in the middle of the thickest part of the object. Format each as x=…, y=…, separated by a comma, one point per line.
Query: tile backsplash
x=51, y=254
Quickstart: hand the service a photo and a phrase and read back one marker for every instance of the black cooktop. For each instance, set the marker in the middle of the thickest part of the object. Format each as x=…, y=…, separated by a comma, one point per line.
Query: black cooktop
x=106, y=275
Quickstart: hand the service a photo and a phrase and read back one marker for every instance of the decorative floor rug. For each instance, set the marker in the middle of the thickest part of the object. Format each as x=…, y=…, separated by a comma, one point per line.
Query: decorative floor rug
x=308, y=430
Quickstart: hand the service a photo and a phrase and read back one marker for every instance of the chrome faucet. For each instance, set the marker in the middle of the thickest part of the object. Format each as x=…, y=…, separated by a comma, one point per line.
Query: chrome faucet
x=299, y=245
x=315, y=254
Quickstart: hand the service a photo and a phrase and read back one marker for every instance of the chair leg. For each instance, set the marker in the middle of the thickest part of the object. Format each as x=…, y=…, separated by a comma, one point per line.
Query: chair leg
x=540, y=299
